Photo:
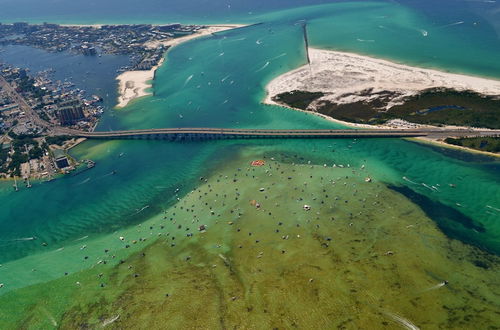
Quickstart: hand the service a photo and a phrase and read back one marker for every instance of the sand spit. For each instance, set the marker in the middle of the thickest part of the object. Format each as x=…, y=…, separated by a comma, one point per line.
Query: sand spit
x=134, y=84
x=346, y=78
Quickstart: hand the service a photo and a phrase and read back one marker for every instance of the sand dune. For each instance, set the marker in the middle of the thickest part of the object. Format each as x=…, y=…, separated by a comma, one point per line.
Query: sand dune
x=346, y=77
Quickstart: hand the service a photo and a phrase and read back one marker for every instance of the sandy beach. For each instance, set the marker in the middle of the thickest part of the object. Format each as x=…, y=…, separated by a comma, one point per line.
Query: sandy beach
x=134, y=84
x=346, y=77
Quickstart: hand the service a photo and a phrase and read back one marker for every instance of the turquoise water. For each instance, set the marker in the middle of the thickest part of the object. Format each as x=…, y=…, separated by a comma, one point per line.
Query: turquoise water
x=219, y=81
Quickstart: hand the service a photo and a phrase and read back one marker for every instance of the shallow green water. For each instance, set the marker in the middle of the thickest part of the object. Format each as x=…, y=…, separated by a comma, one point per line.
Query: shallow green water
x=219, y=81
x=363, y=256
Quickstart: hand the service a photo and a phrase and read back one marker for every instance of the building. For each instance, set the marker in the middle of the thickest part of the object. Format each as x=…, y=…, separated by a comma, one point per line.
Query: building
x=88, y=50
x=70, y=112
x=168, y=27
x=20, y=26
x=60, y=159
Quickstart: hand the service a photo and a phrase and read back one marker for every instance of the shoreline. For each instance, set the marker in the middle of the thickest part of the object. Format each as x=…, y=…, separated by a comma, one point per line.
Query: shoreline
x=359, y=73
x=323, y=60
x=135, y=84
x=356, y=125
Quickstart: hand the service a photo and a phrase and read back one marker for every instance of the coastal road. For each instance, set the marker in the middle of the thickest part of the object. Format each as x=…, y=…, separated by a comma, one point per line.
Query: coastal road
x=23, y=105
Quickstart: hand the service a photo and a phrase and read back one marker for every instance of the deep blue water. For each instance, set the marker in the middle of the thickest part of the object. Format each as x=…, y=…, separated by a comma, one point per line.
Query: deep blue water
x=96, y=75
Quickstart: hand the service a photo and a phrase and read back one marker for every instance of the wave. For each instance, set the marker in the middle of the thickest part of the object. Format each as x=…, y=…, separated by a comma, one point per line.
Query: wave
x=365, y=40
x=224, y=79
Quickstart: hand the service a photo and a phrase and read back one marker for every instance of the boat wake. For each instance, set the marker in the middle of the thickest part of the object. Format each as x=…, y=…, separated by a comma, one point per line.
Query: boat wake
x=279, y=56
x=188, y=79
x=264, y=66
x=493, y=208
x=435, y=287
x=22, y=239
x=110, y=320
x=429, y=187
x=404, y=322
x=140, y=210
x=408, y=180
x=424, y=32
x=452, y=24
x=365, y=40
x=16, y=240
x=83, y=182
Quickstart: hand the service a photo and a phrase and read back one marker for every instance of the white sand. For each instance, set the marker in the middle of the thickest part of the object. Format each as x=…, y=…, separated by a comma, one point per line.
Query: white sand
x=344, y=76
x=134, y=84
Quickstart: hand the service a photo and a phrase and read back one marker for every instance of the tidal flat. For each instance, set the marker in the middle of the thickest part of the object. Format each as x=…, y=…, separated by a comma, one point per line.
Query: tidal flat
x=241, y=250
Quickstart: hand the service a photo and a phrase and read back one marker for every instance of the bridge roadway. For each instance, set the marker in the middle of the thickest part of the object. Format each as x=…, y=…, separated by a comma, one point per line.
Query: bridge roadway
x=230, y=133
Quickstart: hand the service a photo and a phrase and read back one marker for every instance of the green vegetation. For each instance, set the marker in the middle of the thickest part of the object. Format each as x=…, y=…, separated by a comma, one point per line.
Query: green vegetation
x=28, y=85
x=298, y=99
x=15, y=164
x=491, y=144
x=4, y=154
x=59, y=140
x=480, y=111
x=35, y=153
x=476, y=110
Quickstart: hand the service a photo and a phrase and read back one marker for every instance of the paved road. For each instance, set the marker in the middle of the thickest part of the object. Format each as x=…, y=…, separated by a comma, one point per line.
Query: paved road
x=270, y=133
x=215, y=133
x=23, y=105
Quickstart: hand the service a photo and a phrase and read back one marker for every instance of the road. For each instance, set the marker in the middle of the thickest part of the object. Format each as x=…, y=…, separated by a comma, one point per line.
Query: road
x=215, y=133
x=218, y=133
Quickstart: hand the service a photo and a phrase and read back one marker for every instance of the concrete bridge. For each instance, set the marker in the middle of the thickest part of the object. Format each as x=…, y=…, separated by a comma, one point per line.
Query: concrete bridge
x=188, y=134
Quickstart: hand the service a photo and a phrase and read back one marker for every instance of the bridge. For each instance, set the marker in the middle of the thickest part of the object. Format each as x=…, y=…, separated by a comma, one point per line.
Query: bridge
x=192, y=134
